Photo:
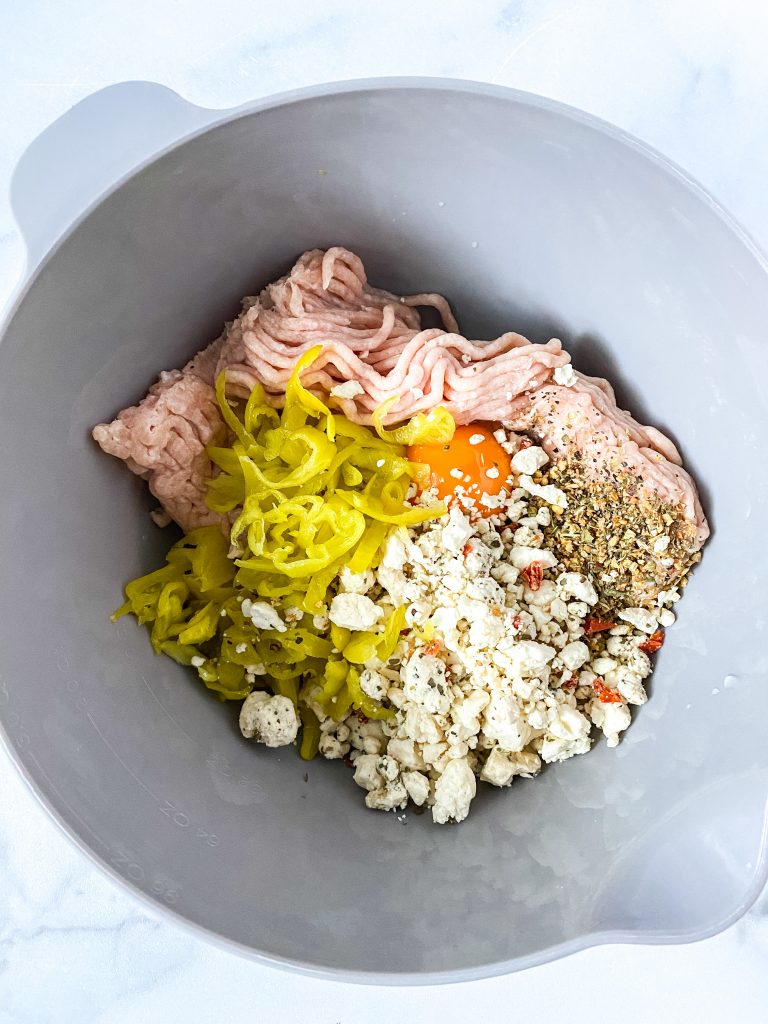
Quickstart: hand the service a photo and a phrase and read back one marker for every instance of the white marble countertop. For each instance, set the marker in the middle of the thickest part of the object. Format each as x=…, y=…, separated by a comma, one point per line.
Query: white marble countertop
x=689, y=78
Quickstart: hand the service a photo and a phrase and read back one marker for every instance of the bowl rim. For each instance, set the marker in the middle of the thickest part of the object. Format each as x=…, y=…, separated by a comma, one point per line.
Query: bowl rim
x=161, y=912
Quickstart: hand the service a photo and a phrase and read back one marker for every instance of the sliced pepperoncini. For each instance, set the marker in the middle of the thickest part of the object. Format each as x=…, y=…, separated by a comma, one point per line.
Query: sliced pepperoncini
x=307, y=492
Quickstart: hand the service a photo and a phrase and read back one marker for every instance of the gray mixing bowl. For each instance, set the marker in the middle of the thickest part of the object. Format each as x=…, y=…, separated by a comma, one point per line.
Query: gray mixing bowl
x=529, y=216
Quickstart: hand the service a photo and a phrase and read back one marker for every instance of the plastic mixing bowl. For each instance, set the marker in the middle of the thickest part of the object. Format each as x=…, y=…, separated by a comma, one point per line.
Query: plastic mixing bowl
x=528, y=216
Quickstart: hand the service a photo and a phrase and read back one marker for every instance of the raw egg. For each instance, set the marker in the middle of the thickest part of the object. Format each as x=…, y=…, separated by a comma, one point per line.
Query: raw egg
x=473, y=460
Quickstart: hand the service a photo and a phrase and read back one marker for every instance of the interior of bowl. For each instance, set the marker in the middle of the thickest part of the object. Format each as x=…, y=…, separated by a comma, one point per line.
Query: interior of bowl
x=529, y=218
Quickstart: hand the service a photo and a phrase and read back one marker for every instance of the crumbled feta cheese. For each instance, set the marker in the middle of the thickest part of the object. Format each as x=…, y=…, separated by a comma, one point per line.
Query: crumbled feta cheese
x=505, y=573
x=399, y=589
x=527, y=657
x=433, y=753
x=374, y=684
x=454, y=791
x=501, y=767
x=611, y=718
x=476, y=439
x=387, y=768
x=528, y=460
x=366, y=736
x=422, y=726
x=527, y=537
x=558, y=609
x=620, y=646
x=263, y=615
x=457, y=532
x=574, y=655
x=424, y=682
x=354, y=611
x=445, y=621
x=356, y=582
x=521, y=557
x=394, y=556
x=548, y=492
x=660, y=545
x=666, y=618
x=640, y=618
x=466, y=713
x=269, y=720
x=628, y=683
x=331, y=747
x=197, y=661
x=602, y=665
x=567, y=734
x=417, y=787
x=391, y=797
x=638, y=661
x=366, y=772
x=395, y=696
x=405, y=752
x=578, y=609
x=504, y=723
x=543, y=597
x=349, y=389
x=564, y=376
x=575, y=584
x=486, y=632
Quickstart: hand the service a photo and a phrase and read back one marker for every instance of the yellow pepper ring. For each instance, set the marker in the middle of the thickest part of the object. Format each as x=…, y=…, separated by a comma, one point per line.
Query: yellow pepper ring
x=307, y=492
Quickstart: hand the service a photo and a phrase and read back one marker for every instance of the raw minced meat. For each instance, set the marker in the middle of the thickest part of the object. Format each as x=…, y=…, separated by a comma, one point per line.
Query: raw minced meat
x=374, y=349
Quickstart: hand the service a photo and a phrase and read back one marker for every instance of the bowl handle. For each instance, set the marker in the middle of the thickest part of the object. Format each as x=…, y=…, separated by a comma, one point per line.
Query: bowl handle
x=90, y=148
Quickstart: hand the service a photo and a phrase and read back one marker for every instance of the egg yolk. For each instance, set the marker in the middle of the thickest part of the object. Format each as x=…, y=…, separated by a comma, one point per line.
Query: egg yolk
x=473, y=460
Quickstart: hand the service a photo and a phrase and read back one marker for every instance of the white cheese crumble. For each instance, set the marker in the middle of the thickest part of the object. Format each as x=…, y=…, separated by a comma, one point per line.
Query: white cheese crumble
x=263, y=615
x=354, y=611
x=528, y=460
x=454, y=791
x=565, y=376
x=356, y=583
x=270, y=720
x=349, y=389
x=548, y=492
x=640, y=618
